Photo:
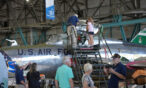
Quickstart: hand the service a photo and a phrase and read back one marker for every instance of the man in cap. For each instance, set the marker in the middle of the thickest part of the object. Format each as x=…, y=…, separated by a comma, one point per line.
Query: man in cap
x=20, y=81
x=71, y=30
x=118, y=72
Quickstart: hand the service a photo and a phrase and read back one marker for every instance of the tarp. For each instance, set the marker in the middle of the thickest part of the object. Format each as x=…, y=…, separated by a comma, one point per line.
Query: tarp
x=139, y=73
x=50, y=9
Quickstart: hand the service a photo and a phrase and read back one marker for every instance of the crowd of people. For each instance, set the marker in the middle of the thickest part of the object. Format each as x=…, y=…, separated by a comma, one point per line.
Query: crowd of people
x=64, y=74
x=33, y=76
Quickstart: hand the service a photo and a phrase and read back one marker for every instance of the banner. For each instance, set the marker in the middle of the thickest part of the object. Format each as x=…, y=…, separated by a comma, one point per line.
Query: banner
x=50, y=10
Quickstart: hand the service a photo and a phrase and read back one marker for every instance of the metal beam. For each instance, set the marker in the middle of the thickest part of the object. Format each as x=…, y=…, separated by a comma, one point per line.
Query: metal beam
x=42, y=36
x=125, y=4
x=86, y=6
x=98, y=8
x=35, y=36
x=118, y=18
x=136, y=30
x=71, y=6
x=115, y=24
x=8, y=12
x=22, y=36
x=77, y=6
x=111, y=34
x=132, y=2
x=123, y=33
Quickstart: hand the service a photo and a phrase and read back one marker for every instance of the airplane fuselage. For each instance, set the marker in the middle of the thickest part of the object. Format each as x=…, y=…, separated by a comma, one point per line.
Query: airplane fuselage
x=49, y=57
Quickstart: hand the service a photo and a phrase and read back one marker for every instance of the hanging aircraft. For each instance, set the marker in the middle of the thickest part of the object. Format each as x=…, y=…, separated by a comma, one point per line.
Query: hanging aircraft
x=49, y=56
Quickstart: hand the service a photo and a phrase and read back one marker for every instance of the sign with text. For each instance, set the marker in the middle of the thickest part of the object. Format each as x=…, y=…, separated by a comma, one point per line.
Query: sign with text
x=50, y=10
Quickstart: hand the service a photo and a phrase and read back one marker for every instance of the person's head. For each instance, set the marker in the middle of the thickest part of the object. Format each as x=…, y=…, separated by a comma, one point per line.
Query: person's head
x=90, y=20
x=116, y=58
x=66, y=60
x=33, y=67
x=17, y=67
x=88, y=68
x=19, y=64
x=76, y=15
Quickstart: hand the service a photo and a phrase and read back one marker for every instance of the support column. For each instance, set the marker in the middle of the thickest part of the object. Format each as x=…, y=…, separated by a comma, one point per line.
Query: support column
x=8, y=43
x=43, y=36
x=118, y=18
x=111, y=33
x=31, y=37
x=22, y=36
x=35, y=37
x=136, y=30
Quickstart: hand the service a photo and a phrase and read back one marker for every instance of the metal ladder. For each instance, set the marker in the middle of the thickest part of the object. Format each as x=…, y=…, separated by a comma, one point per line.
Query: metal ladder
x=91, y=55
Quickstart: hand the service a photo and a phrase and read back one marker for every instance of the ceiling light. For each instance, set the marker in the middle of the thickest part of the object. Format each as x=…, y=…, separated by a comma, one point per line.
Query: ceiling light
x=27, y=0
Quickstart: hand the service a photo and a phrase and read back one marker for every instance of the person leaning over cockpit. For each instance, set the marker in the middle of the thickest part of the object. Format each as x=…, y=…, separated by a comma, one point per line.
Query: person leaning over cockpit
x=71, y=30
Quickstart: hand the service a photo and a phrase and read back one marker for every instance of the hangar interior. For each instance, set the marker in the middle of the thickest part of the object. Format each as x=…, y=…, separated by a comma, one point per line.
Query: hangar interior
x=25, y=21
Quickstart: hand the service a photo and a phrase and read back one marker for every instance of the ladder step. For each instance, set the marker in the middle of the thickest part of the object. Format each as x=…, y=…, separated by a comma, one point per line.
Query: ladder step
x=96, y=82
x=98, y=76
x=98, y=70
x=84, y=59
x=98, y=65
x=91, y=55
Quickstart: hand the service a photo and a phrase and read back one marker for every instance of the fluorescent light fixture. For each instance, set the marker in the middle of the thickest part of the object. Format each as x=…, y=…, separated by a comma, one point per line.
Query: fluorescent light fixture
x=27, y=0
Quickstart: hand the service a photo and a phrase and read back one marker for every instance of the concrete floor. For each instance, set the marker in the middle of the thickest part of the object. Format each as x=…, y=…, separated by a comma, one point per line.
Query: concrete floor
x=12, y=82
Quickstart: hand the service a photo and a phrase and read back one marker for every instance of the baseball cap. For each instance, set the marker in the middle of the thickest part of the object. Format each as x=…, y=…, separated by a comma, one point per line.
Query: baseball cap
x=76, y=15
x=116, y=56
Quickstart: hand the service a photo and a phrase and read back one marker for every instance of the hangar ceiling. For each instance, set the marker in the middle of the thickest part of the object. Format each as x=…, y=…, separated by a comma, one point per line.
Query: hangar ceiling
x=31, y=14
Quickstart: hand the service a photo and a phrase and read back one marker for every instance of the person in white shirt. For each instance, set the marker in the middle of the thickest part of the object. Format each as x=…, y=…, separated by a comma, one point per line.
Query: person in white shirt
x=90, y=30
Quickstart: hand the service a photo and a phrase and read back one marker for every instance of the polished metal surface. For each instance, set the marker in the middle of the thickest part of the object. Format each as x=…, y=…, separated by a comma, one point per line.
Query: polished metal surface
x=49, y=56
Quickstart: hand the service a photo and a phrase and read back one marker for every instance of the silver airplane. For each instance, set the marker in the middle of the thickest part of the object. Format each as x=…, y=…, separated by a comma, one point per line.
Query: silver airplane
x=49, y=56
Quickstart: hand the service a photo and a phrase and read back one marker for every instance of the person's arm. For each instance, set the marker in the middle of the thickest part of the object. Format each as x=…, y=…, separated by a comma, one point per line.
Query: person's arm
x=56, y=84
x=77, y=21
x=27, y=77
x=85, y=84
x=87, y=26
x=117, y=74
x=71, y=76
x=23, y=83
x=56, y=80
x=38, y=76
x=71, y=83
x=21, y=78
x=24, y=66
x=105, y=71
